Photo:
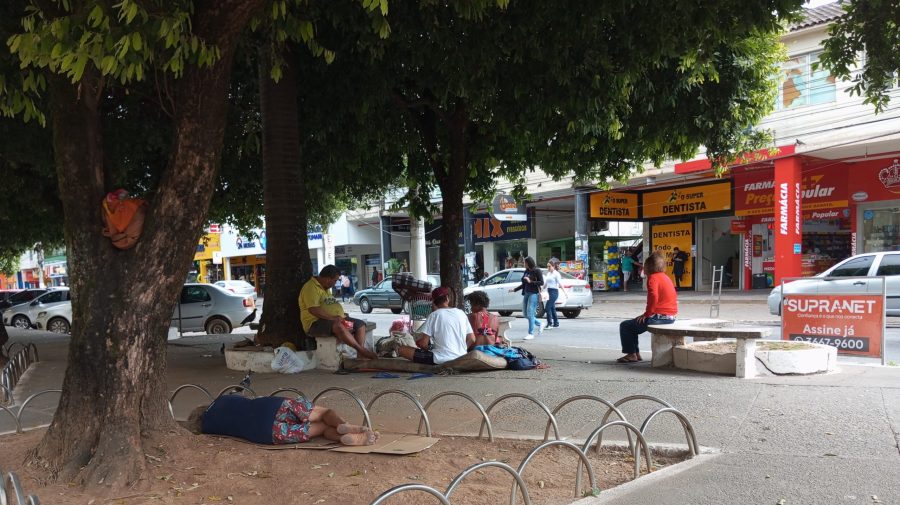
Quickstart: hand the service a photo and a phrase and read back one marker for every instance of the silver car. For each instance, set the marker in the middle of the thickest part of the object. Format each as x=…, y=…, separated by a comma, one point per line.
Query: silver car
x=22, y=316
x=575, y=296
x=885, y=264
x=209, y=308
x=238, y=287
x=57, y=319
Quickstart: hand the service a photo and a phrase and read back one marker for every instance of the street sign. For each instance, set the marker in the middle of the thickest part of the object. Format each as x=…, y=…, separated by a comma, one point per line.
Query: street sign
x=853, y=322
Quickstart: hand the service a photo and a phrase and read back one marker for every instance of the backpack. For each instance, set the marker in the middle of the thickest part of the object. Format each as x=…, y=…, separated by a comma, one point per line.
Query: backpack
x=524, y=361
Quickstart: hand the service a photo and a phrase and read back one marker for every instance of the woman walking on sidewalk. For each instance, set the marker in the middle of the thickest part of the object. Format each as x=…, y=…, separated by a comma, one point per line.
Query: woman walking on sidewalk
x=532, y=281
x=662, y=306
x=553, y=285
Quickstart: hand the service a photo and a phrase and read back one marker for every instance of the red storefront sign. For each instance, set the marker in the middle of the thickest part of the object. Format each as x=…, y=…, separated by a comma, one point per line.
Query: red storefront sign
x=738, y=226
x=874, y=181
x=853, y=323
x=822, y=188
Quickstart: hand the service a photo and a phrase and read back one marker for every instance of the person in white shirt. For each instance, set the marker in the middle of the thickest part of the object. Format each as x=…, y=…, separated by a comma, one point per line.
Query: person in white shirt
x=445, y=335
x=553, y=285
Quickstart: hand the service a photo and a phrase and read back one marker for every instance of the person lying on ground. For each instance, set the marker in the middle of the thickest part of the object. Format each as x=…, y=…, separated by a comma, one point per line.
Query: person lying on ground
x=486, y=325
x=321, y=313
x=275, y=420
x=445, y=335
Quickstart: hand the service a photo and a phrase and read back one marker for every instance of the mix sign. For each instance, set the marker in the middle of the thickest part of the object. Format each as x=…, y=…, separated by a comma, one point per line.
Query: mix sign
x=851, y=322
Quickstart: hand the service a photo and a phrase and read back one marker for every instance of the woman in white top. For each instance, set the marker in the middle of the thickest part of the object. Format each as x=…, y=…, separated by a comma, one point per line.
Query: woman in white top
x=553, y=284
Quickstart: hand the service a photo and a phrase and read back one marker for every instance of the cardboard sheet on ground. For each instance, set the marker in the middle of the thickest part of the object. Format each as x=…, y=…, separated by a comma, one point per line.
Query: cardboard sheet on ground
x=388, y=443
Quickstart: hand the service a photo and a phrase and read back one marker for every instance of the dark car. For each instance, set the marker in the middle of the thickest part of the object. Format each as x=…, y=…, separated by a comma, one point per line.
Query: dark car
x=26, y=295
x=383, y=296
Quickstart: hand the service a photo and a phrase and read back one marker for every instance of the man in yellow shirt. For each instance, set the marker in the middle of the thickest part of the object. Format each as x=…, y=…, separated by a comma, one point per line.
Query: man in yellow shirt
x=321, y=314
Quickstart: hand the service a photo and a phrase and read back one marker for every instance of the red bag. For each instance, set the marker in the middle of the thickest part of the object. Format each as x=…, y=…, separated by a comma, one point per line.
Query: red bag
x=123, y=218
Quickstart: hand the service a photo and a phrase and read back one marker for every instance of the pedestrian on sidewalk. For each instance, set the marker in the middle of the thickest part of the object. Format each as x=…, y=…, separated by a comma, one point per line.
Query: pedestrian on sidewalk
x=679, y=260
x=662, y=306
x=553, y=285
x=628, y=264
x=345, y=286
x=532, y=280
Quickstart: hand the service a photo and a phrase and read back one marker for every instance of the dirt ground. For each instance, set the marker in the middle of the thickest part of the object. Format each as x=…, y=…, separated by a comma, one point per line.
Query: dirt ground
x=191, y=469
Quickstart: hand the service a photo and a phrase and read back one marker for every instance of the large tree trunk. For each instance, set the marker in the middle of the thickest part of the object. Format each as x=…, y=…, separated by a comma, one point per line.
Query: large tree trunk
x=288, y=263
x=451, y=179
x=113, y=403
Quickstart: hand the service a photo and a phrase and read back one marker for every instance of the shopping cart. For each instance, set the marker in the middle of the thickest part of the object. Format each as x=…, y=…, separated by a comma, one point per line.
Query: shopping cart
x=415, y=294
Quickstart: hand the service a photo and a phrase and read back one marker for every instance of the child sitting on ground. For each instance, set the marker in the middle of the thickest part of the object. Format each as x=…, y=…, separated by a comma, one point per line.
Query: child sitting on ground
x=486, y=325
x=274, y=420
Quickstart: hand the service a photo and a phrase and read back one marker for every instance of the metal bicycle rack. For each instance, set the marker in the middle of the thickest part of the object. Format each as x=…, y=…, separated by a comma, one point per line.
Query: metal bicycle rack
x=15, y=369
x=11, y=489
x=637, y=446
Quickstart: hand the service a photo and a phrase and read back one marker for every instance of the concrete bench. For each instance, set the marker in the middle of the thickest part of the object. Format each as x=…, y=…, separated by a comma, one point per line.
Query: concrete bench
x=328, y=348
x=664, y=338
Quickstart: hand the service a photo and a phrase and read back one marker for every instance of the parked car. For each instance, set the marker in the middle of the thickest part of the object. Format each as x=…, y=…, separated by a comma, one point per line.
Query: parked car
x=6, y=293
x=209, y=308
x=238, y=287
x=25, y=295
x=57, y=318
x=23, y=315
x=577, y=295
x=885, y=264
x=383, y=296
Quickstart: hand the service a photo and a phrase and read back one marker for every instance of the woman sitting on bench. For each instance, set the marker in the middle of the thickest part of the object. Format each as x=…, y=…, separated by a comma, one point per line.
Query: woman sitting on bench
x=662, y=306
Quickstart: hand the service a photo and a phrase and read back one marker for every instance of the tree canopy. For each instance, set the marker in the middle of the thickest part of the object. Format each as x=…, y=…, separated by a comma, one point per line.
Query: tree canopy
x=871, y=29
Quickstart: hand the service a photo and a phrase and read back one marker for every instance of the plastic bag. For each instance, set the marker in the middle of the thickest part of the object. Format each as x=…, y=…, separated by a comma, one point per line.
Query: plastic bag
x=288, y=361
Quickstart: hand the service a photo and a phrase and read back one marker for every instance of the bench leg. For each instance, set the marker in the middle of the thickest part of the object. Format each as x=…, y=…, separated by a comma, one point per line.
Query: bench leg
x=746, y=358
x=661, y=346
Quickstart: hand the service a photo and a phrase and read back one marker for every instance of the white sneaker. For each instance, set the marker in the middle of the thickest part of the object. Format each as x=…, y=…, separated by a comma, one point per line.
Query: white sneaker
x=529, y=337
x=540, y=329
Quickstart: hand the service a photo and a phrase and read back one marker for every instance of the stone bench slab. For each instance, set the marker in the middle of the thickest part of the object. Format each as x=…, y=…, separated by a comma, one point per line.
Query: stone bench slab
x=665, y=337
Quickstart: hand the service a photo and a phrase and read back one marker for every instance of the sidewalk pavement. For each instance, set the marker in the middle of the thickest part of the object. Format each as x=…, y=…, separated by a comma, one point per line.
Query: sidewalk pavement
x=824, y=439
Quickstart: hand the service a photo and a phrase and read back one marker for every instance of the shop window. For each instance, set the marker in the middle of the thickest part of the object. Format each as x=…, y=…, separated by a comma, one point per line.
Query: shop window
x=890, y=265
x=804, y=82
x=856, y=267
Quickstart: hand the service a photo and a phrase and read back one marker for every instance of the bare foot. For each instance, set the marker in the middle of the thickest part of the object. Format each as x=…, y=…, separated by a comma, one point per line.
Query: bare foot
x=345, y=428
x=369, y=437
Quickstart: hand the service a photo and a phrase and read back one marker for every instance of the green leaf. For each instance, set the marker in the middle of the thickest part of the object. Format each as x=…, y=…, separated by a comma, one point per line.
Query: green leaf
x=136, y=42
x=384, y=7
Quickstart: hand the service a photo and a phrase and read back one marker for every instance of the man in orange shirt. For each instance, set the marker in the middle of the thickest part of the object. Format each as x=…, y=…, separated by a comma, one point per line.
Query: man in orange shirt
x=662, y=306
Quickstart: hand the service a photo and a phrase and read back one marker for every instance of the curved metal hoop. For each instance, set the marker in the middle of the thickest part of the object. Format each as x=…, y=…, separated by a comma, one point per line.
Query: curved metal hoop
x=582, y=460
x=693, y=447
x=9, y=348
x=186, y=386
x=611, y=408
x=623, y=401
x=7, y=392
x=35, y=358
x=14, y=487
x=411, y=487
x=496, y=464
x=15, y=419
x=642, y=443
x=527, y=397
x=484, y=416
x=289, y=390
x=413, y=399
x=367, y=421
x=237, y=387
x=28, y=400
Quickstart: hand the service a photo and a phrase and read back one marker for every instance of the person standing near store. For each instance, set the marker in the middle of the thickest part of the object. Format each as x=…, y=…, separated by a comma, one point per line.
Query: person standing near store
x=553, y=284
x=679, y=259
x=662, y=307
x=345, y=286
x=532, y=281
x=628, y=264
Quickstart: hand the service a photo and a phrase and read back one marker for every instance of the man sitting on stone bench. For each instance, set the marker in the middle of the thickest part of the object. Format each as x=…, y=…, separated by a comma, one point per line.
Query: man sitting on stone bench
x=321, y=314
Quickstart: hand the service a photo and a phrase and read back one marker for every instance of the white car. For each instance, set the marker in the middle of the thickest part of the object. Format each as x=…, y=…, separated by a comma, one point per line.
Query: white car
x=885, y=264
x=22, y=316
x=238, y=287
x=574, y=297
x=57, y=318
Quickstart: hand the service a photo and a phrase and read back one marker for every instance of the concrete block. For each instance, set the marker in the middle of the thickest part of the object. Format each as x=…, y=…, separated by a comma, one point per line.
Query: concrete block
x=694, y=357
x=819, y=359
x=661, y=347
x=257, y=361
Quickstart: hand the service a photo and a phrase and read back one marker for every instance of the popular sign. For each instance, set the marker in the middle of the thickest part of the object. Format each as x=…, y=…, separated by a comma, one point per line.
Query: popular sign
x=854, y=323
x=614, y=205
x=665, y=238
x=688, y=200
x=755, y=192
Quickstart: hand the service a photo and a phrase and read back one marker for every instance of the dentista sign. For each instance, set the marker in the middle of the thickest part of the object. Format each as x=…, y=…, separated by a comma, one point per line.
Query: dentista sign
x=687, y=200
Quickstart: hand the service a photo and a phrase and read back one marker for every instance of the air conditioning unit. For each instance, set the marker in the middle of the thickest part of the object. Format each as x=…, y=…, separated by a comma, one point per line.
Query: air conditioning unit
x=599, y=226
